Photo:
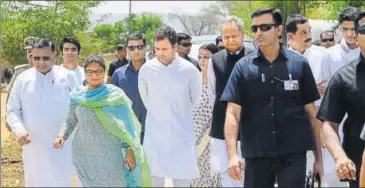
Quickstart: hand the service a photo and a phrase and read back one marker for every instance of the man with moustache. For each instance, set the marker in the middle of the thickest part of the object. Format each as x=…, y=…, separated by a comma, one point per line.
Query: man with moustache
x=37, y=106
x=28, y=46
x=270, y=96
x=346, y=95
x=126, y=77
x=219, y=70
x=299, y=36
x=70, y=49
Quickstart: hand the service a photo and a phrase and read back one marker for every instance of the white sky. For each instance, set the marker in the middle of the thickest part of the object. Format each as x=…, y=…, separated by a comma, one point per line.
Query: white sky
x=122, y=7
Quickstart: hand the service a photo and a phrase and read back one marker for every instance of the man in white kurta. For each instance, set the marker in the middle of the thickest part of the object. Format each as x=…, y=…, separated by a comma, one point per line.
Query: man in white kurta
x=37, y=106
x=170, y=88
x=70, y=48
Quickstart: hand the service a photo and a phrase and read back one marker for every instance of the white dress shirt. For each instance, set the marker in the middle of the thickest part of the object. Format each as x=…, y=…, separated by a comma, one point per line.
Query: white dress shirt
x=341, y=54
x=320, y=64
x=75, y=77
x=170, y=94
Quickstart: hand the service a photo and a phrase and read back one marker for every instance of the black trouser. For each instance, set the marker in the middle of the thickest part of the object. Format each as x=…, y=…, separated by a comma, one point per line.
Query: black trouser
x=288, y=170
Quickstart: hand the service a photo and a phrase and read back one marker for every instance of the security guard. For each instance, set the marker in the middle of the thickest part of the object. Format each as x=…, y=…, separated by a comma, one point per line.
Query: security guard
x=270, y=96
x=28, y=46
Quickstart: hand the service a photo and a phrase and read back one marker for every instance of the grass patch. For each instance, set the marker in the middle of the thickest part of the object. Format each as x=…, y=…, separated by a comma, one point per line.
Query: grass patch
x=12, y=173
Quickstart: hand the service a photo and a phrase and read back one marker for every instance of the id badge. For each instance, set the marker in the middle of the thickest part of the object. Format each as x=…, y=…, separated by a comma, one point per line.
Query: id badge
x=290, y=85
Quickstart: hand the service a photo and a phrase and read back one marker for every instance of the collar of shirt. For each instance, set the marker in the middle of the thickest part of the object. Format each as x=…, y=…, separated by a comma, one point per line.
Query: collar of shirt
x=345, y=47
x=296, y=51
x=282, y=53
x=237, y=52
x=130, y=65
x=174, y=61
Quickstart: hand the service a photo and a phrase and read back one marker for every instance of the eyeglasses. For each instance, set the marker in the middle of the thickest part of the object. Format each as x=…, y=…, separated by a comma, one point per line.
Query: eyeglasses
x=328, y=40
x=263, y=27
x=361, y=29
x=97, y=72
x=44, y=58
x=132, y=48
x=204, y=57
x=188, y=44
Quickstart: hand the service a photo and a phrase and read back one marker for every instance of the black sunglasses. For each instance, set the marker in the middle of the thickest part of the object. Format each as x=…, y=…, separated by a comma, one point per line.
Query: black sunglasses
x=139, y=47
x=188, y=44
x=97, y=72
x=328, y=40
x=361, y=29
x=44, y=58
x=263, y=27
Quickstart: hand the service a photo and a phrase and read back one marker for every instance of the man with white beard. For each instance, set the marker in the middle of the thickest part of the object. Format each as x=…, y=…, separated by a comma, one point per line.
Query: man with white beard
x=300, y=41
x=37, y=106
x=70, y=50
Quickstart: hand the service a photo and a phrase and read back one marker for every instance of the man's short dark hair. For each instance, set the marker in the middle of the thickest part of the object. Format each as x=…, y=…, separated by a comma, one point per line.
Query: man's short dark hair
x=136, y=36
x=278, y=19
x=120, y=47
x=293, y=20
x=217, y=40
x=44, y=43
x=326, y=32
x=70, y=40
x=348, y=14
x=166, y=32
x=358, y=18
x=182, y=36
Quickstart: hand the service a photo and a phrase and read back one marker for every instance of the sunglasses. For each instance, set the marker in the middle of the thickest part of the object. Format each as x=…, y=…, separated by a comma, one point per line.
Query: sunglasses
x=132, y=48
x=361, y=29
x=204, y=57
x=263, y=27
x=186, y=44
x=328, y=40
x=97, y=72
x=44, y=58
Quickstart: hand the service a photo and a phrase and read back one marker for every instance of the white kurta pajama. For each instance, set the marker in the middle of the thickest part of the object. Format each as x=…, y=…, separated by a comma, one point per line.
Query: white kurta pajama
x=38, y=104
x=219, y=154
x=340, y=55
x=322, y=66
x=170, y=94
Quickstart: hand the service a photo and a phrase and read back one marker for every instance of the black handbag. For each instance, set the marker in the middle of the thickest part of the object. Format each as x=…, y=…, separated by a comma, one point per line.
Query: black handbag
x=311, y=178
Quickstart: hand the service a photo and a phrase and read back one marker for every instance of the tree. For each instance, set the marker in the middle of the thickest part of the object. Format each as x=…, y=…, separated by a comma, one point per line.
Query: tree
x=106, y=37
x=145, y=23
x=55, y=20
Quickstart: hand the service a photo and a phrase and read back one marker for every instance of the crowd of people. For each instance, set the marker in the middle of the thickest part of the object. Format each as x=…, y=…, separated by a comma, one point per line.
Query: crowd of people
x=235, y=117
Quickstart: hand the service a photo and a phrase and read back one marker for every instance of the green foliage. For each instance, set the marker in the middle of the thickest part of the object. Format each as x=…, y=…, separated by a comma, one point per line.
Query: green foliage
x=325, y=10
x=106, y=37
x=57, y=19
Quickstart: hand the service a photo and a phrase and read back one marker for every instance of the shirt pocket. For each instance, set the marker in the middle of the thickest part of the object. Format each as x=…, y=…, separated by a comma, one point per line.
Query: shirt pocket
x=255, y=87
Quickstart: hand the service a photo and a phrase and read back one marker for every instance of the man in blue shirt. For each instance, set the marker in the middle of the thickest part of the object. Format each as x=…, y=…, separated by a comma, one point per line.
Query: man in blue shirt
x=126, y=77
